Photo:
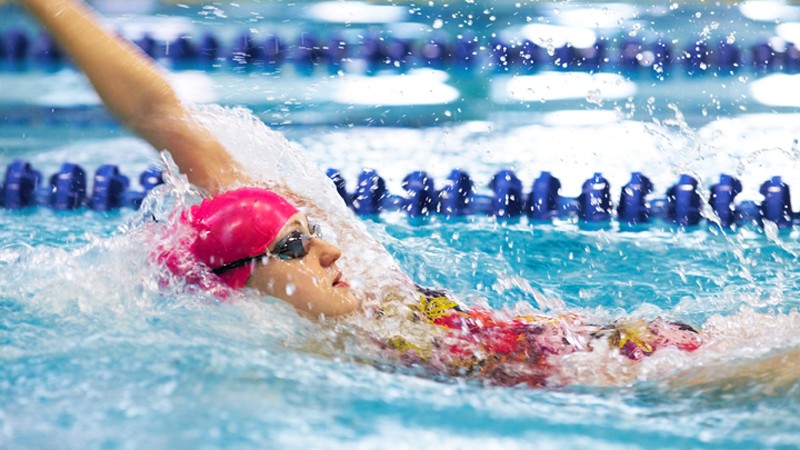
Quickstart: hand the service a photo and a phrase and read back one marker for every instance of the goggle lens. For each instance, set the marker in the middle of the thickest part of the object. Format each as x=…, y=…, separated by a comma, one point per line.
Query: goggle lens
x=295, y=244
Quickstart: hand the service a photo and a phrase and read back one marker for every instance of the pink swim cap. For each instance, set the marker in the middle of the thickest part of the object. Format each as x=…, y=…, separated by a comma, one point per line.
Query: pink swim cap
x=235, y=225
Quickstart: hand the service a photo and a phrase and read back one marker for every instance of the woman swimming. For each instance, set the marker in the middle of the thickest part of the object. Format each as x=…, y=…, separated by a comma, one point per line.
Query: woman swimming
x=245, y=235
x=252, y=237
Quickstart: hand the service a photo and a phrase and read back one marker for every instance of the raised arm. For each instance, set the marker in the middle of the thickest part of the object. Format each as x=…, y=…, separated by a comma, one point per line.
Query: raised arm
x=132, y=86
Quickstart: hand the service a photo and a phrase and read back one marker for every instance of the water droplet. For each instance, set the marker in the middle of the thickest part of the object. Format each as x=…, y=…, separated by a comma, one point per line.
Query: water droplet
x=595, y=97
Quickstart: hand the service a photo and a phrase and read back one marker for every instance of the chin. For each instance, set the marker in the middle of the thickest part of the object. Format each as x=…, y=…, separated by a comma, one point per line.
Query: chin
x=347, y=304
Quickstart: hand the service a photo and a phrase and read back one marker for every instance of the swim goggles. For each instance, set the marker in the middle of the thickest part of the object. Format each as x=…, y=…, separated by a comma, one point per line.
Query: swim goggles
x=293, y=246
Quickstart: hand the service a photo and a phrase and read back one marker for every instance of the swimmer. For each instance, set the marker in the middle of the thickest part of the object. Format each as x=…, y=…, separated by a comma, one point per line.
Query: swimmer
x=246, y=236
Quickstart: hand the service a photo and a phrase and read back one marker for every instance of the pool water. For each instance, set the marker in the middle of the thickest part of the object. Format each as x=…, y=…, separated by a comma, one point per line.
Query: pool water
x=99, y=352
x=97, y=355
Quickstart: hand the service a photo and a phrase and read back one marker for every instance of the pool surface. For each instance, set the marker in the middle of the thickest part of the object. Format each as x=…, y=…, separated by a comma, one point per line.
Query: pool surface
x=96, y=351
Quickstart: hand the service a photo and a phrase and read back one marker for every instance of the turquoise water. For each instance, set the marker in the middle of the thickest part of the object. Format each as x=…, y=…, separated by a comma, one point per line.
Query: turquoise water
x=97, y=352
x=99, y=361
x=96, y=355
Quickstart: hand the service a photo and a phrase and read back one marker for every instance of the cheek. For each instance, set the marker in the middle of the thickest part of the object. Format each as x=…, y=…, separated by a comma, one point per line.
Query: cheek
x=298, y=281
x=294, y=281
x=287, y=285
x=302, y=272
x=276, y=283
x=308, y=281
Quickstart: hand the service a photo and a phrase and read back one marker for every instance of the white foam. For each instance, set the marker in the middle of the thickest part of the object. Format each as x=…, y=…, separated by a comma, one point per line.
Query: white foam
x=270, y=158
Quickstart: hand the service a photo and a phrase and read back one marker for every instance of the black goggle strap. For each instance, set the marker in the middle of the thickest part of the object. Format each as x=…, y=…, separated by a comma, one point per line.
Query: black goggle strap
x=238, y=263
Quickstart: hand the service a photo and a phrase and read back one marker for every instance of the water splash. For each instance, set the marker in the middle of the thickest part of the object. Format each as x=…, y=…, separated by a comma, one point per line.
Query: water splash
x=273, y=160
x=98, y=334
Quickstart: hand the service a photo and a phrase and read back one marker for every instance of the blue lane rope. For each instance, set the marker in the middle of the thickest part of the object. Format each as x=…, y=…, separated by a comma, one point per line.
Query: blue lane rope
x=464, y=53
x=681, y=205
x=68, y=189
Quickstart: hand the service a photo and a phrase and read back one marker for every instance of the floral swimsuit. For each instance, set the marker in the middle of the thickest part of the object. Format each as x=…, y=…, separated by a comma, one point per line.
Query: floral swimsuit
x=481, y=343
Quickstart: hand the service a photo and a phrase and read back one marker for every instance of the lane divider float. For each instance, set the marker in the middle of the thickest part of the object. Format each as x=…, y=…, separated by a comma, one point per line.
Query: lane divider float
x=68, y=189
x=464, y=53
x=682, y=203
x=505, y=198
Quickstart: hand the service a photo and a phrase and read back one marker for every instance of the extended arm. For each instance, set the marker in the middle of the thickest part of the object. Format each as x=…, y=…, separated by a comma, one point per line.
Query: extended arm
x=133, y=88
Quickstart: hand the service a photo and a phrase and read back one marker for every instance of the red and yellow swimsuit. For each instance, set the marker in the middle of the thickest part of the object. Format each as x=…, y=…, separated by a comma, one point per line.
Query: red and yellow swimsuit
x=481, y=343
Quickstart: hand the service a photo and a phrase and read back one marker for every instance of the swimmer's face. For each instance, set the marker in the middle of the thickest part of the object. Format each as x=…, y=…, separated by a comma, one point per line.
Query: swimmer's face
x=311, y=283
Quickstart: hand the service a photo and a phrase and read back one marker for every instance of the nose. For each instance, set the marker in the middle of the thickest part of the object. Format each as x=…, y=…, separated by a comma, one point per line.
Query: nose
x=327, y=252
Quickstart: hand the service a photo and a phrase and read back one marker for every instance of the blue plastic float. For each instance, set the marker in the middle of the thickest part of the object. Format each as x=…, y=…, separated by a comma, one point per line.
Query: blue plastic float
x=465, y=52
x=681, y=205
x=505, y=197
x=67, y=189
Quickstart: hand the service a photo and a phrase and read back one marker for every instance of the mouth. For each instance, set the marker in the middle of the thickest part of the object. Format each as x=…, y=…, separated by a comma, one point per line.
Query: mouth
x=338, y=282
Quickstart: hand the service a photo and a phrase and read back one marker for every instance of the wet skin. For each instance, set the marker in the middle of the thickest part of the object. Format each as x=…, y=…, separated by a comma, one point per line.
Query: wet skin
x=312, y=284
